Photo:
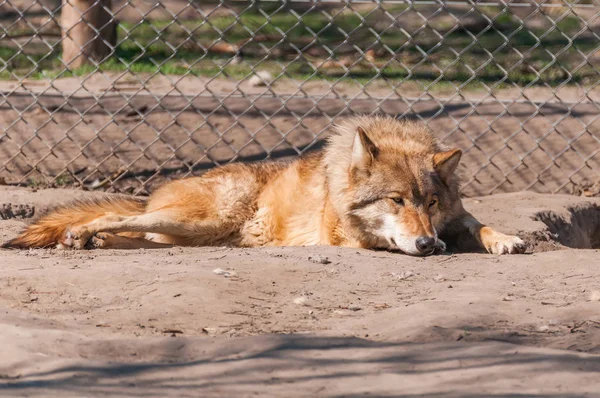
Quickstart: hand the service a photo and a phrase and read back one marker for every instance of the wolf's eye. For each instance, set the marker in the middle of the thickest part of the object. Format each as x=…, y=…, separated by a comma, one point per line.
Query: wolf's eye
x=432, y=203
x=398, y=201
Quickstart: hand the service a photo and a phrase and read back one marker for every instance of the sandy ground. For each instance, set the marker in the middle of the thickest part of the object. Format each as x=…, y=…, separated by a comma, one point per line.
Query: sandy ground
x=315, y=321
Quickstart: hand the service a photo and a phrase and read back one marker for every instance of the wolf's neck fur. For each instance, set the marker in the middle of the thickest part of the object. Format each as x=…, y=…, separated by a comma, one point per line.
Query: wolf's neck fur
x=336, y=161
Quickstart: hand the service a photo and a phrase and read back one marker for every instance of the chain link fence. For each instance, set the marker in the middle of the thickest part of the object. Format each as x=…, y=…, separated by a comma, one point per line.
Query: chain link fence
x=166, y=89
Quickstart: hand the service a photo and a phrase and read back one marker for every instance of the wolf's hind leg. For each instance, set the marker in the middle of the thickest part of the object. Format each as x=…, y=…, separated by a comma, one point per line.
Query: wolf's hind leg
x=107, y=240
x=160, y=222
x=491, y=240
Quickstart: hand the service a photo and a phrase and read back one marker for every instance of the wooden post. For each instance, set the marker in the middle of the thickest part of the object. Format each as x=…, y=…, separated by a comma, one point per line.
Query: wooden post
x=87, y=27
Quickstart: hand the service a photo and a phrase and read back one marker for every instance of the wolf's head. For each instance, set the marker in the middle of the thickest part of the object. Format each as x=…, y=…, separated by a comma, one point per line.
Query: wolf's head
x=401, y=187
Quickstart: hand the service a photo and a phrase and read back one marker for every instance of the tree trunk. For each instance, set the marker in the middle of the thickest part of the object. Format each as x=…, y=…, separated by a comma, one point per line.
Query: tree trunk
x=88, y=30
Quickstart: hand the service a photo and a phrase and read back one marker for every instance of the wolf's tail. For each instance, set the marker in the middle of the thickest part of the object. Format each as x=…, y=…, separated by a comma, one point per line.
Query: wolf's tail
x=51, y=228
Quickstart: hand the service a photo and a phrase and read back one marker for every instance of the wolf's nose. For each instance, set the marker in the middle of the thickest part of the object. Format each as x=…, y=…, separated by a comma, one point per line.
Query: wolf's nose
x=425, y=244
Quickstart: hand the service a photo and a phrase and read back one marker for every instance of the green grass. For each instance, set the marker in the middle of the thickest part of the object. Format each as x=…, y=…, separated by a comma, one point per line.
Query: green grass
x=180, y=48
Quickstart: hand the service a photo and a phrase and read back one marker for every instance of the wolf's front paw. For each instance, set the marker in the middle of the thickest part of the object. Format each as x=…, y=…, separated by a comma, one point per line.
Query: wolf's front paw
x=499, y=243
x=440, y=247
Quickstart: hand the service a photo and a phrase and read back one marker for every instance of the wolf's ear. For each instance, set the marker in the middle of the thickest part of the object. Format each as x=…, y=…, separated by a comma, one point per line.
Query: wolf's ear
x=445, y=163
x=363, y=149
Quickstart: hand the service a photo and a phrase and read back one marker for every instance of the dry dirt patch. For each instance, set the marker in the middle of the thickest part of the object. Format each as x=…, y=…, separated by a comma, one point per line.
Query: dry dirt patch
x=315, y=321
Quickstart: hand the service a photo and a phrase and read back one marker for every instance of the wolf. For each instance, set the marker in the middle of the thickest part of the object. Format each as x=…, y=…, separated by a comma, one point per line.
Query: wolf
x=378, y=183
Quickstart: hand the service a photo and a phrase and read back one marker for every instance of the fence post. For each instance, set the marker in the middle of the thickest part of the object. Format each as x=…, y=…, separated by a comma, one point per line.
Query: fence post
x=88, y=30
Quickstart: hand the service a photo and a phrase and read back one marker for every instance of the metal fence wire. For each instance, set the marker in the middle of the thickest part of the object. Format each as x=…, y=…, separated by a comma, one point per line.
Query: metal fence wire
x=121, y=96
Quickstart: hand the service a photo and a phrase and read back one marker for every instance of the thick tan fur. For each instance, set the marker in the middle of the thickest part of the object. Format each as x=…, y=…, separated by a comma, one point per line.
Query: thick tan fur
x=378, y=183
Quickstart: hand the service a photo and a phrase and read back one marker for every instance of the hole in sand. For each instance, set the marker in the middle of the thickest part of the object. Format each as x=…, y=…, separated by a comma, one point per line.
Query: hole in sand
x=577, y=228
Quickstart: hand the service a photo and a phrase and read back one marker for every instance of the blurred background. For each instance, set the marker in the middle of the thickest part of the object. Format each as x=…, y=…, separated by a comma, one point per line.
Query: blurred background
x=123, y=95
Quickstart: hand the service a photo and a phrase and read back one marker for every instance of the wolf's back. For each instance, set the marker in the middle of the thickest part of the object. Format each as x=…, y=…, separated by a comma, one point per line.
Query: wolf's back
x=51, y=228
